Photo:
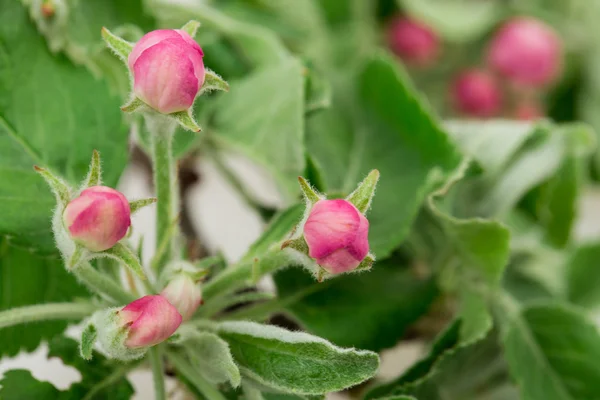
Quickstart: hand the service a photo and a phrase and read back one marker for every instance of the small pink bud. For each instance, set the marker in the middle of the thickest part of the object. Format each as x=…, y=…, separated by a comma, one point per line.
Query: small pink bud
x=184, y=294
x=526, y=51
x=413, y=41
x=476, y=93
x=149, y=321
x=98, y=218
x=528, y=111
x=168, y=70
x=337, y=235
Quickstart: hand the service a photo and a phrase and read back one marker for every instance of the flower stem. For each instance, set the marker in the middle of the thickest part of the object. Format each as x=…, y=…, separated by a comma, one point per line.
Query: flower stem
x=155, y=357
x=102, y=284
x=45, y=312
x=209, y=391
x=162, y=130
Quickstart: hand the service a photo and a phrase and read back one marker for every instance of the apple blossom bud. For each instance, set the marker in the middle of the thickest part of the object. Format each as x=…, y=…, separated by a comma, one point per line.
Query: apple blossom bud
x=149, y=321
x=413, y=41
x=476, y=93
x=98, y=218
x=168, y=70
x=337, y=235
x=183, y=293
x=526, y=51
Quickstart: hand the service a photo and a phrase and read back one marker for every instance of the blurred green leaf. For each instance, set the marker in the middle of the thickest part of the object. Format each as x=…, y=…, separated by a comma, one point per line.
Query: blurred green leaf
x=384, y=302
x=262, y=116
x=583, y=275
x=101, y=379
x=552, y=352
x=52, y=114
x=457, y=20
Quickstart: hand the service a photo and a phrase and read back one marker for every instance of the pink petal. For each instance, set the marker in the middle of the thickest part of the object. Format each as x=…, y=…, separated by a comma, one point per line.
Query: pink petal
x=164, y=77
x=156, y=322
x=149, y=40
x=359, y=248
x=339, y=261
x=195, y=53
x=331, y=225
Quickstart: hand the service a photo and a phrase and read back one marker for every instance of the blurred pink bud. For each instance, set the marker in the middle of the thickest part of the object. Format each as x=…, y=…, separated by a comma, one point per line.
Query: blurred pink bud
x=526, y=51
x=413, y=41
x=476, y=93
x=337, y=235
x=98, y=218
x=149, y=320
x=528, y=111
x=168, y=70
x=184, y=294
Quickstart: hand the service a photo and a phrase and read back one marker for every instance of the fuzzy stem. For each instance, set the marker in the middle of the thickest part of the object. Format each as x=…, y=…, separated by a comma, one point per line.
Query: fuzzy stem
x=187, y=370
x=162, y=130
x=102, y=284
x=155, y=357
x=45, y=312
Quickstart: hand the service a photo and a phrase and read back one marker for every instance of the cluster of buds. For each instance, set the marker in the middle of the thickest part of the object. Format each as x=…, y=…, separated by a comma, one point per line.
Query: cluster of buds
x=167, y=71
x=333, y=236
x=524, y=57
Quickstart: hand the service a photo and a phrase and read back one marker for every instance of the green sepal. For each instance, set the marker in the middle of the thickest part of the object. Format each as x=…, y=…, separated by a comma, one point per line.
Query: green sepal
x=212, y=81
x=298, y=244
x=94, y=176
x=88, y=338
x=186, y=120
x=310, y=194
x=78, y=256
x=125, y=255
x=366, y=264
x=137, y=205
x=118, y=45
x=133, y=105
x=363, y=194
x=61, y=190
x=191, y=27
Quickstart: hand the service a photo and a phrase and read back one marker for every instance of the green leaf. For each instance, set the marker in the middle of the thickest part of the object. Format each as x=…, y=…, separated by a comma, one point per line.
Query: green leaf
x=28, y=279
x=52, y=114
x=583, y=275
x=552, y=352
x=296, y=361
x=212, y=356
x=100, y=378
x=455, y=20
x=404, y=142
x=384, y=302
x=263, y=117
x=279, y=228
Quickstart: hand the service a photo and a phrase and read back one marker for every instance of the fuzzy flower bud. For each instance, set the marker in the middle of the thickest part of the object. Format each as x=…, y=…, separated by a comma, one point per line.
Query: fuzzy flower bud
x=476, y=93
x=413, y=41
x=126, y=333
x=183, y=293
x=527, y=52
x=337, y=235
x=98, y=218
x=168, y=70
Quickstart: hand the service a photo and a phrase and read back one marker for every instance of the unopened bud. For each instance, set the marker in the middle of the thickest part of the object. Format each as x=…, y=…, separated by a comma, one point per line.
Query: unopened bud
x=168, y=70
x=413, y=41
x=526, y=51
x=476, y=93
x=337, y=235
x=98, y=218
x=183, y=293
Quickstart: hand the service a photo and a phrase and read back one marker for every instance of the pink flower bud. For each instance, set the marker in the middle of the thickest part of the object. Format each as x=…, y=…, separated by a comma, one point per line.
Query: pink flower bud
x=527, y=52
x=98, y=218
x=337, y=235
x=168, y=70
x=476, y=93
x=413, y=41
x=149, y=321
x=184, y=294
